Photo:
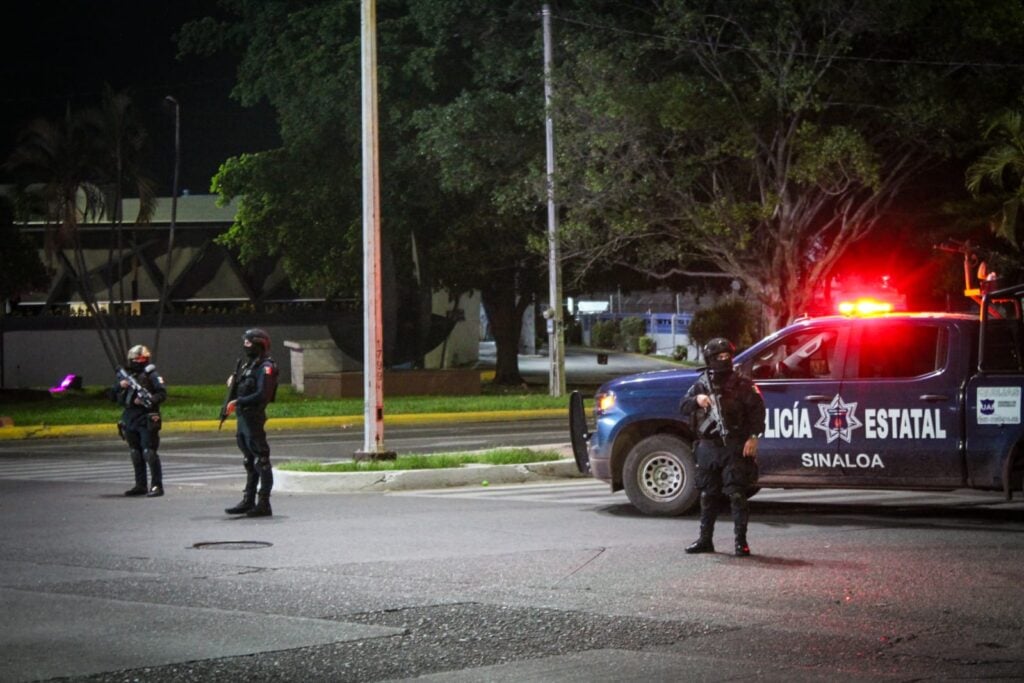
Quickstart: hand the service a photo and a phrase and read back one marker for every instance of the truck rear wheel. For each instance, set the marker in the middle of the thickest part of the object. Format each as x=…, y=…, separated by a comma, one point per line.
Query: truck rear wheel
x=660, y=476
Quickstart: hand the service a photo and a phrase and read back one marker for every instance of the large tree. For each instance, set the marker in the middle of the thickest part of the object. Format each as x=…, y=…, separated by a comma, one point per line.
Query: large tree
x=767, y=137
x=1001, y=170
x=460, y=125
x=75, y=170
x=21, y=269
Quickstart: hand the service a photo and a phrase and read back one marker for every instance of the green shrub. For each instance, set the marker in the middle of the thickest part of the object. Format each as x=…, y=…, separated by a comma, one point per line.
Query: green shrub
x=631, y=330
x=680, y=352
x=604, y=333
x=733, y=319
x=633, y=327
x=646, y=344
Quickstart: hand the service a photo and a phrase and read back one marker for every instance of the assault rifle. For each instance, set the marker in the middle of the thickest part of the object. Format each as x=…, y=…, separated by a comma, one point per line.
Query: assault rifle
x=232, y=393
x=138, y=391
x=715, y=412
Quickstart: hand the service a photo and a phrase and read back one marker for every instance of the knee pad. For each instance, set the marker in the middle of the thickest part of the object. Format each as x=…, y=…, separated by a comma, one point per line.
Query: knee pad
x=149, y=454
x=263, y=463
x=738, y=501
x=708, y=500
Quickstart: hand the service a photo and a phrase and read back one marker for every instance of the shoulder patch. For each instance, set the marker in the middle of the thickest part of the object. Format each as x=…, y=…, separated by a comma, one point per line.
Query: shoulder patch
x=268, y=370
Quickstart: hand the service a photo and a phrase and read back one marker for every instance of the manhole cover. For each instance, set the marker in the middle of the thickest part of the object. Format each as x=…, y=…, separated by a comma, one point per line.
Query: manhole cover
x=231, y=545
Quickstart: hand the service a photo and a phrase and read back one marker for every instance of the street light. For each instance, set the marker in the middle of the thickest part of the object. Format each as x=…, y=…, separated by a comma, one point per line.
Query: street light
x=553, y=315
x=174, y=219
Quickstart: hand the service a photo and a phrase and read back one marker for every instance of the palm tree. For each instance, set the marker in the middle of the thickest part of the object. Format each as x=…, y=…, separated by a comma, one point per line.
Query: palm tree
x=73, y=171
x=119, y=140
x=1002, y=167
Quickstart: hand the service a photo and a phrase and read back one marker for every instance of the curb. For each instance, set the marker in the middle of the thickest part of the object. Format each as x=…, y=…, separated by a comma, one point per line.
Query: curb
x=406, y=480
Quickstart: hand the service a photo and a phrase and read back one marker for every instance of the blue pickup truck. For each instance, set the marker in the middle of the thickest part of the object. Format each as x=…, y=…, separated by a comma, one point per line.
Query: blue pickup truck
x=922, y=401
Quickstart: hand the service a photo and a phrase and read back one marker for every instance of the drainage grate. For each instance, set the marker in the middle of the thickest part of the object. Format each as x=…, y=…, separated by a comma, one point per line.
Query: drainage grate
x=231, y=545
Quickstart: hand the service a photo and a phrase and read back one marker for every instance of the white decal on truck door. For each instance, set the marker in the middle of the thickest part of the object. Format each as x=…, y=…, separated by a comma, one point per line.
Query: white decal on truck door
x=998, y=405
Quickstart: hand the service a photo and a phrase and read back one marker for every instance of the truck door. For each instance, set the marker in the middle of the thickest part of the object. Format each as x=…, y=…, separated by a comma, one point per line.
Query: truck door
x=796, y=372
x=896, y=420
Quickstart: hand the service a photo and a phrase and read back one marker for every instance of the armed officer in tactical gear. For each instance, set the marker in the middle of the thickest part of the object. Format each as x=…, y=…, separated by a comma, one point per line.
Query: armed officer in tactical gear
x=251, y=388
x=727, y=413
x=140, y=390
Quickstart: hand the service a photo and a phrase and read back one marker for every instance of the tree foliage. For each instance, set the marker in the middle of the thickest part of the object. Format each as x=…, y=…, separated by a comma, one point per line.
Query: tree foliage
x=76, y=170
x=1001, y=170
x=21, y=269
x=460, y=133
x=766, y=137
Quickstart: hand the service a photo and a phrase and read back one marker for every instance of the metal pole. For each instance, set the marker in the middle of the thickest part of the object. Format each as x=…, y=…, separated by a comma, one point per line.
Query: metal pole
x=373, y=348
x=174, y=220
x=556, y=324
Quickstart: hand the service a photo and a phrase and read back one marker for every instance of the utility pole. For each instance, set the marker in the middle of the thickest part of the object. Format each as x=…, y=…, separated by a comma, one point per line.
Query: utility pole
x=164, y=289
x=555, y=322
x=373, y=347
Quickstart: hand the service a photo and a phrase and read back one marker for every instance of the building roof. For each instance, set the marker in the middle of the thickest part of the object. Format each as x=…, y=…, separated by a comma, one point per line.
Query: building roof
x=191, y=208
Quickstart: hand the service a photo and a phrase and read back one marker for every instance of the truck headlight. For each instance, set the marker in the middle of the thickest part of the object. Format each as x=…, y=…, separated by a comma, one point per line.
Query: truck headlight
x=604, y=402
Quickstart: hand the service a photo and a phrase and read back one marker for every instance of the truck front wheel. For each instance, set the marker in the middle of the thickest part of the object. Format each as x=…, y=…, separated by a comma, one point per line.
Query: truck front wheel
x=659, y=476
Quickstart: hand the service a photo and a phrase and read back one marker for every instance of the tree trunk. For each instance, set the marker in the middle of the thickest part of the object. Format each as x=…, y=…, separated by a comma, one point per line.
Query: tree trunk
x=505, y=312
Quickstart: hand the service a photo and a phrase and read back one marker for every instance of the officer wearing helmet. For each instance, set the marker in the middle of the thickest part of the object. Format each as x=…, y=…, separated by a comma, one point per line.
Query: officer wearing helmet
x=140, y=390
x=250, y=389
x=727, y=413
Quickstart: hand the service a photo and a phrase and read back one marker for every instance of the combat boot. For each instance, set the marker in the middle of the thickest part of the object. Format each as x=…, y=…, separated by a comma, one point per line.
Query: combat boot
x=139, y=465
x=742, y=549
x=262, y=508
x=740, y=514
x=708, y=515
x=702, y=544
x=156, y=483
x=247, y=503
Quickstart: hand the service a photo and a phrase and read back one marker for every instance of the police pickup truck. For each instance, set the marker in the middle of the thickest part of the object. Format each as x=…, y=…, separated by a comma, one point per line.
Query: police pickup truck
x=922, y=401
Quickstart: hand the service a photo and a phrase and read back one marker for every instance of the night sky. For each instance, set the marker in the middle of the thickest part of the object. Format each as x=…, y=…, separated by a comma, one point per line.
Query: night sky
x=61, y=52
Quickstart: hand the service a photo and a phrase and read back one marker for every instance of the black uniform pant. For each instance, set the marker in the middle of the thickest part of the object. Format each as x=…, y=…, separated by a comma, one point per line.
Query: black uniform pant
x=143, y=437
x=252, y=441
x=722, y=469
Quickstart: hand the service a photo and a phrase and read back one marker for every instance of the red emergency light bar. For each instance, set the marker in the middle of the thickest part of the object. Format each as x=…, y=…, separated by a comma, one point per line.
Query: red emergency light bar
x=865, y=306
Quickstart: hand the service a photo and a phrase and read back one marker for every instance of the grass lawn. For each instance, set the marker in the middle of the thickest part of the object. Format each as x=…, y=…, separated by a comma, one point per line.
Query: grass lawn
x=500, y=456
x=91, y=405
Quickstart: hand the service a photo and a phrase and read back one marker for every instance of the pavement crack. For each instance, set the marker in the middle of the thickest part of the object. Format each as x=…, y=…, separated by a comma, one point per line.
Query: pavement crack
x=253, y=570
x=582, y=566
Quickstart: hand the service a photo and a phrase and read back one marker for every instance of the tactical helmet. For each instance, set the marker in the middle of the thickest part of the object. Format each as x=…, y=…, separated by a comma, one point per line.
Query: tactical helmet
x=257, y=336
x=719, y=367
x=139, y=354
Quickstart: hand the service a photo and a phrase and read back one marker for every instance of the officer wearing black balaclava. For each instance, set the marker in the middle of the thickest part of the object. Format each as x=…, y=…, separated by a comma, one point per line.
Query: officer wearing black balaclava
x=726, y=412
x=139, y=390
x=251, y=388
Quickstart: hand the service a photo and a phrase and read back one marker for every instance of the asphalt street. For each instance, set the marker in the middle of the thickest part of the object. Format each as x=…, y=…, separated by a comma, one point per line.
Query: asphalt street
x=560, y=582
x=555, y=581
